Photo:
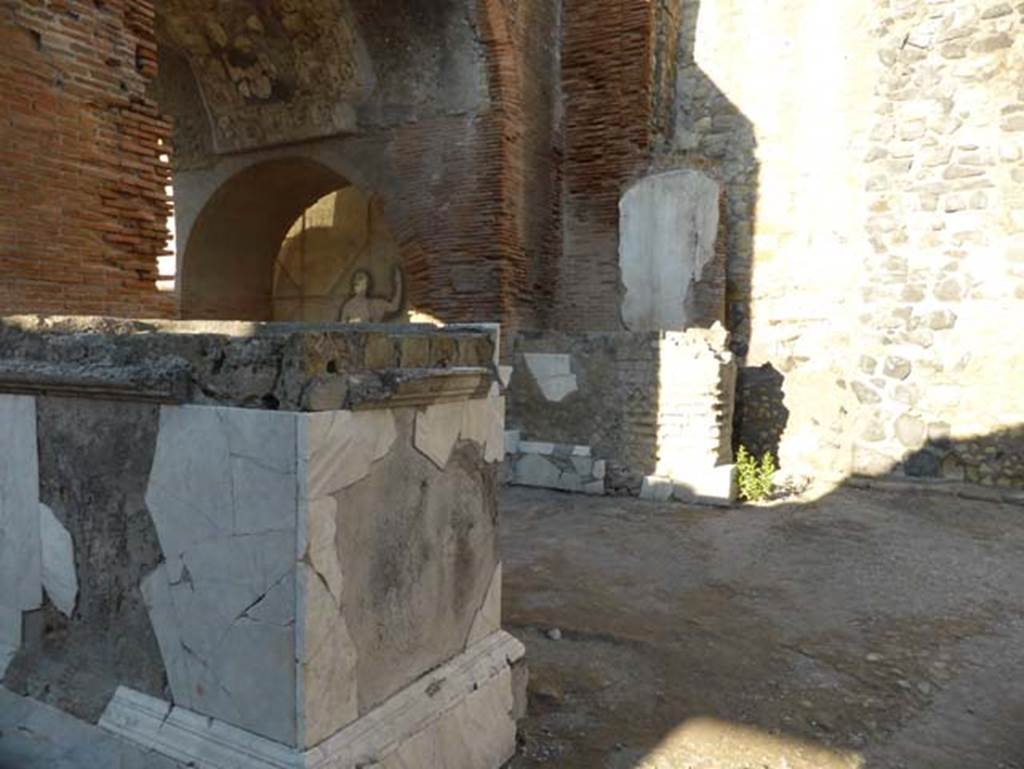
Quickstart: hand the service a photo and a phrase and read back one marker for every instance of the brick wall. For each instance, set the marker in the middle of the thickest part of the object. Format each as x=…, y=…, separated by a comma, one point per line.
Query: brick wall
x=608, y=81
x=82, y=203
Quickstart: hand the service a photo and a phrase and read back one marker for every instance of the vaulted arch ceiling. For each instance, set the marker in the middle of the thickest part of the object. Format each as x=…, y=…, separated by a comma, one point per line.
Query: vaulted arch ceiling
x=271, y=71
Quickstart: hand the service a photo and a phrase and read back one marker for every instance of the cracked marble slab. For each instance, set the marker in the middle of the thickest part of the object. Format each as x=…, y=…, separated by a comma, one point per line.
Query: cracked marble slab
x=20, y=546
x=223, y=494
x=339, y=447
x=437, y=429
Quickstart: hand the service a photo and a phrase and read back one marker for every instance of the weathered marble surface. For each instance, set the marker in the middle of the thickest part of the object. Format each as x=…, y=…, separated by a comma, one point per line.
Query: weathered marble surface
x=60, y=580
x=282, y=572
x=20, y=549
x=323, y=554
x=94, y=459
x=223, y=602
x=395, y=573
x=668, y=229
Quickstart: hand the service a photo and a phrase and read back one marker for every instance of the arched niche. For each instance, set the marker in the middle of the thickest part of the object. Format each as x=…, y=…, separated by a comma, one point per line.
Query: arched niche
x=228, y=264
x=340, y=245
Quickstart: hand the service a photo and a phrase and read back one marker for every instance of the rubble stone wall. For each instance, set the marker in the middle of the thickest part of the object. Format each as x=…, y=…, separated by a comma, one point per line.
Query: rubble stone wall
x=871, y=155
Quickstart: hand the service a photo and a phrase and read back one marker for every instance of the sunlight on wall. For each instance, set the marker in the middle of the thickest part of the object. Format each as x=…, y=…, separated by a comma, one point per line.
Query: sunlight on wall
x=167, y=265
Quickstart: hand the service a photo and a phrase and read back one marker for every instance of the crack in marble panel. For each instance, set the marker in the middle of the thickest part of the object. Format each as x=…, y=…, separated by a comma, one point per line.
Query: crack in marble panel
x=483, y=422
x=488, y=618
x=223, y=494
x=328, y=661
x=342, y=446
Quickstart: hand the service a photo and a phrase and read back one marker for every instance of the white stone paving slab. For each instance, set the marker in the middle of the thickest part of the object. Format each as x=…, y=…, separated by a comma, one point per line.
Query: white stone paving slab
x=536, y=447
x=512, y=440
x=51, y=739
x=535, y=470
x=60, y=580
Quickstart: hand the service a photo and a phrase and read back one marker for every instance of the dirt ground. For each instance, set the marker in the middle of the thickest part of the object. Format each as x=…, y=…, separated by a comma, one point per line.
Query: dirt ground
x=865, y=629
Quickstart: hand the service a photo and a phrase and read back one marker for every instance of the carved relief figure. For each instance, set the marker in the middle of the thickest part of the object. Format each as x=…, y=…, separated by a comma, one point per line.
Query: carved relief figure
x=360, y=307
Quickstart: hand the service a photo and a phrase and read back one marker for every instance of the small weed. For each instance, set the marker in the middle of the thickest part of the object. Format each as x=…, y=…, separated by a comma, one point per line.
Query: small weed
x=756, y=479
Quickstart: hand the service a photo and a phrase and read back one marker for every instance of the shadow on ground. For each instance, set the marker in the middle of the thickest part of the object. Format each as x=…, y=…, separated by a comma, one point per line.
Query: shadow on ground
x=866, y=628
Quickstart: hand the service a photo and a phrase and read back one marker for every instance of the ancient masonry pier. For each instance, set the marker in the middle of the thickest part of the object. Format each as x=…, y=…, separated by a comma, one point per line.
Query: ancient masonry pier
x=258, y=545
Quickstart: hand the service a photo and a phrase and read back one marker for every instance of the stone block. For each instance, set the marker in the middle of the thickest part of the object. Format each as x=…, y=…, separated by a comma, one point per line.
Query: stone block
x=536, y=447
x=715, y=486
x=657, y=489
x=513, y=439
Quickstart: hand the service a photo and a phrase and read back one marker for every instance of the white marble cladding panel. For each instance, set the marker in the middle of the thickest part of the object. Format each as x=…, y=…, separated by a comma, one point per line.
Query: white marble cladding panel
x=249, y=607
x=553, y=375
x=223, y=494
x=440, y=426
x=668, y=228
x=379, y=581
x=60, y=580
x=20, y=545
x=337, y=450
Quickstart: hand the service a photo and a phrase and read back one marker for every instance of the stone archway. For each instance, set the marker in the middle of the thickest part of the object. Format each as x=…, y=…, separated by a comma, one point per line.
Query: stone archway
x=227, y=267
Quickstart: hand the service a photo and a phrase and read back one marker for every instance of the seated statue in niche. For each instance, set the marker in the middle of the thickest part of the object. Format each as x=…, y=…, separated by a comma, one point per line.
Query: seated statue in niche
x=360, y=307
